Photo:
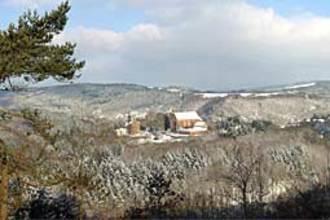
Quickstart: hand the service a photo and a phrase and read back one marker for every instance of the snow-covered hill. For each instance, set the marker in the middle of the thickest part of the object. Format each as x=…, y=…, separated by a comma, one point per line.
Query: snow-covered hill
x=280, y=104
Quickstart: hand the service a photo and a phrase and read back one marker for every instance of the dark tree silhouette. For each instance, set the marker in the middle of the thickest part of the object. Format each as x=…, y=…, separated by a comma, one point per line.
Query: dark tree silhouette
x=27, y=50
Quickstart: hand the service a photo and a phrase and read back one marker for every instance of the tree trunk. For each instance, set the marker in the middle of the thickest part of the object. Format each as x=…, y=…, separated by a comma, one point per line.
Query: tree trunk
x=245, y=202
x=11, y=87
x=260, y=183
x=4, y=190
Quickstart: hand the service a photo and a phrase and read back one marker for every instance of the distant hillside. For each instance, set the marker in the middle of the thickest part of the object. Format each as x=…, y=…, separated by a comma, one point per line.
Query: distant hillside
x=102, y=100
x=281, y=104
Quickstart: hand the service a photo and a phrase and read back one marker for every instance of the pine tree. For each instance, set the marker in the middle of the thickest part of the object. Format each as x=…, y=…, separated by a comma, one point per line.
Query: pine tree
x=27, y=50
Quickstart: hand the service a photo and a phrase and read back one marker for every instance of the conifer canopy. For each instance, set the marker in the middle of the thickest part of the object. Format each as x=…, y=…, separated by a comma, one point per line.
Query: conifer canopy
x=27, y=50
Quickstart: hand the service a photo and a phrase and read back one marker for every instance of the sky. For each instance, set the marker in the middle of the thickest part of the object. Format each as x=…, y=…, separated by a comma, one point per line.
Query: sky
x=205, y=44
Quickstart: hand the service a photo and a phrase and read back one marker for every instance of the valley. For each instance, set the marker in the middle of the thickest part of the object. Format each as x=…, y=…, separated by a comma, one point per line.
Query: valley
x=283, y=133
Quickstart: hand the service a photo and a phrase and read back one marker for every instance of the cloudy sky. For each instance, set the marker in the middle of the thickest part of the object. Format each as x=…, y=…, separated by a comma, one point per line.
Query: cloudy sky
x=208, y=44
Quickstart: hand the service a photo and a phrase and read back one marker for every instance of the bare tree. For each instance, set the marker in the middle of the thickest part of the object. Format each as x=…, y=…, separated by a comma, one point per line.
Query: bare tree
x=243, y=171
x=263, y=174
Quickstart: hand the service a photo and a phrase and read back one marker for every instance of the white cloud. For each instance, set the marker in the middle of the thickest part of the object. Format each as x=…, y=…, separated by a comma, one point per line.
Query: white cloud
x=208, y=44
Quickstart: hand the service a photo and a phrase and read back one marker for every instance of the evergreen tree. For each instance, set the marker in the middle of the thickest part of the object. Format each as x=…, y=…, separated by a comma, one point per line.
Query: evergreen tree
x=27, y=50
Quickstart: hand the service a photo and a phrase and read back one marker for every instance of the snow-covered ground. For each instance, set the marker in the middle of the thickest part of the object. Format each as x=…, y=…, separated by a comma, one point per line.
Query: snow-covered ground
x=267, y=94
x=213, y=95
x=159, y=139
x=299, y=86
x=174, y=90
x=210, y=95
x=244, y=94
